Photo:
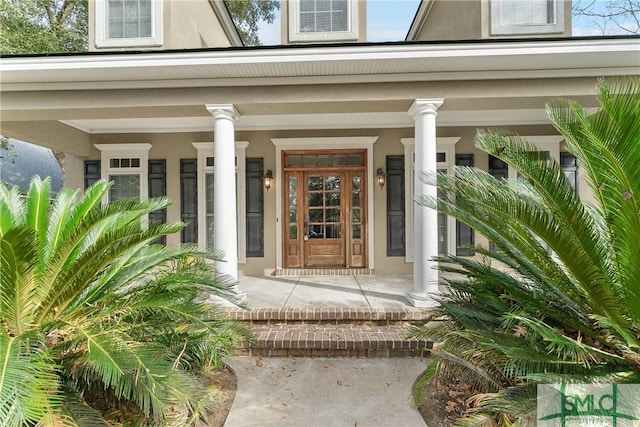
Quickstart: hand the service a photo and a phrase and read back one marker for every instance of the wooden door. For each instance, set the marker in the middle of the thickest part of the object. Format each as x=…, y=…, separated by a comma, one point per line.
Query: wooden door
x=324, y=209
x=323, y=219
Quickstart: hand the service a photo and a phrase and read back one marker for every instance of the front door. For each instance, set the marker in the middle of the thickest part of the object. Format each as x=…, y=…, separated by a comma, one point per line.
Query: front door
x=324, y=200
x=323, y=226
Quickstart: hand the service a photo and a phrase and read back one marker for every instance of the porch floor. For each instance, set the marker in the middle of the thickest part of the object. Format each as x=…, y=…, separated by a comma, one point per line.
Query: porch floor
x=326, y=291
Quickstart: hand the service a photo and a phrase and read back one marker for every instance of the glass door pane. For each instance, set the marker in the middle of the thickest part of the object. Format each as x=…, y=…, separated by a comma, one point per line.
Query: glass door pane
x=323, y=207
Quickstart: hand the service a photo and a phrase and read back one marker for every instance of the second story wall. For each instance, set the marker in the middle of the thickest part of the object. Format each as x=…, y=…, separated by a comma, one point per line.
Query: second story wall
x=159, y=24
x=491, y=19
x=453, y=20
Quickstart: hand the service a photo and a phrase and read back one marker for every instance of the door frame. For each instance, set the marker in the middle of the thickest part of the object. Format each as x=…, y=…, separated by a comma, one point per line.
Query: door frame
x=359, y=142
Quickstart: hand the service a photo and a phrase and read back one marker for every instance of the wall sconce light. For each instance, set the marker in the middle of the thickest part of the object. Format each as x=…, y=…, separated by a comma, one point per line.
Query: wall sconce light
x=381, y=177
x=268, y=179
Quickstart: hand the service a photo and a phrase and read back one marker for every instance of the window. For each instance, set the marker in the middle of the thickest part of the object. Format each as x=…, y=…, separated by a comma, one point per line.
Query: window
x=527, y=17
x=569, y=165
x=445, y=158
x=319, y=20
x=465, y=235
x=128, y=23
x=127, y=167
x=319, y=16
x=206, y=171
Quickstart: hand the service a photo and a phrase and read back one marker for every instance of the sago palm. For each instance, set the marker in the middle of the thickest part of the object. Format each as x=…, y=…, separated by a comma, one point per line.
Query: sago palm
x=558, y=300
x=93, y=313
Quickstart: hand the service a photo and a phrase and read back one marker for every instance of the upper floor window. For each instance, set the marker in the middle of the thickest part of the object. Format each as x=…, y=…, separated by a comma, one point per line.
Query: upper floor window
x=317, y=16
x=527, y=17
x=121, y=23
x=320, y=20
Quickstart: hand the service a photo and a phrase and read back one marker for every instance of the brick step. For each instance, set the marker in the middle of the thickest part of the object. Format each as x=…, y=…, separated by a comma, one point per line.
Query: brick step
x=330, y=315
x=337, y=340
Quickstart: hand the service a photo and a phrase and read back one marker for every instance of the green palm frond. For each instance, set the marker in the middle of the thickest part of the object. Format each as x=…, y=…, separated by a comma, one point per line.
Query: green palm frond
x=28, y=381
x=131, y=370
x=90, y=303
x=18, y=285
x=606, y=144
x=38, y=207
x=559, y=298
x=11, y=207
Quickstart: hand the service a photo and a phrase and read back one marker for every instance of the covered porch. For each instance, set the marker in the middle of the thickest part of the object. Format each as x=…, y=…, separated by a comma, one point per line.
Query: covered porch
x=160, y=122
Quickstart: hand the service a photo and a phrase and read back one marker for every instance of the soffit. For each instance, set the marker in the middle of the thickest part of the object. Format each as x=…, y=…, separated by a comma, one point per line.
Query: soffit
x=353, y=63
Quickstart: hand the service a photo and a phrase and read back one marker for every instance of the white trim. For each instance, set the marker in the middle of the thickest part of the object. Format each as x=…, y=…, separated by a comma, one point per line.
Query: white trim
x=113, y=151
x=499, y=28
x=205, y=149
x=362, y=142
x=443, y=145
x=102, y=39
x=295, y=35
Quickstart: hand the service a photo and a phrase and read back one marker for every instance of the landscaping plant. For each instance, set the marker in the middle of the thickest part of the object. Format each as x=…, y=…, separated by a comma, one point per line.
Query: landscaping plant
x=97, y=322
x=558, y=298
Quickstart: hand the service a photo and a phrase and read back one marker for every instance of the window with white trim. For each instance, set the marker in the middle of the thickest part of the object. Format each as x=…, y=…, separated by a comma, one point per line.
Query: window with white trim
x=127, y=167
x=206, y=171
x=319, y=20
x=445, y=161
x=527, y=17
x=127, y=23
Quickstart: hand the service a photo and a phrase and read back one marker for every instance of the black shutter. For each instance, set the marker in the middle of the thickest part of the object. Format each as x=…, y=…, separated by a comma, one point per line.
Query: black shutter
x=189, y=199
x=498, y=168
x=465, y=235
x=255, y=207
x=91, y=172
x=569, y=165
x=158, y=188
x=396, y=242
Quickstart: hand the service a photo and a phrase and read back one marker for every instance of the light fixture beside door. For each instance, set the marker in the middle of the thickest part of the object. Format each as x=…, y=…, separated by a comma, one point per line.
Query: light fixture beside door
x=268, y=179
x=381, y=177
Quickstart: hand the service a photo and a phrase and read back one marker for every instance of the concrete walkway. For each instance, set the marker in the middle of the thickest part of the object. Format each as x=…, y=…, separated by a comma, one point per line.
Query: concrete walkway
x=325, y=392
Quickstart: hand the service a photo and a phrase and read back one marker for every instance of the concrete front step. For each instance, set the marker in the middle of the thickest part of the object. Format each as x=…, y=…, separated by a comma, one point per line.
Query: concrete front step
x=332, y=332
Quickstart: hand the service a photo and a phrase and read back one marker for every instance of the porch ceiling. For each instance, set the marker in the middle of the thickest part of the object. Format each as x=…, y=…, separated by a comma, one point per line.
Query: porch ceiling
x=311, y=121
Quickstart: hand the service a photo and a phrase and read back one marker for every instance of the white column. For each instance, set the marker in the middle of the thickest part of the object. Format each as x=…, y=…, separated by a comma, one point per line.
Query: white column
x=224, y=188
x=425, y=220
